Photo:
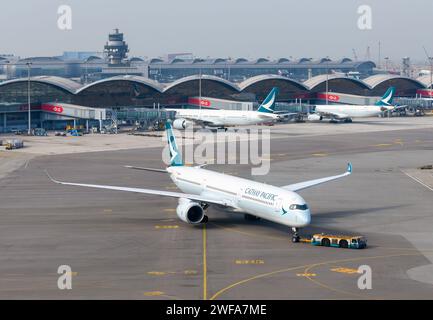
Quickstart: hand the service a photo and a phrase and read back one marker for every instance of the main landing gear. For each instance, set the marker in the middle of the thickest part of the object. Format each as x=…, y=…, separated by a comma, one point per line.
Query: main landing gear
x=295, y=237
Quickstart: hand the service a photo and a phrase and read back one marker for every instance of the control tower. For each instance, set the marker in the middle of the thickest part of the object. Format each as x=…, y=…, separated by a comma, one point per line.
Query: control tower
x=116, y=49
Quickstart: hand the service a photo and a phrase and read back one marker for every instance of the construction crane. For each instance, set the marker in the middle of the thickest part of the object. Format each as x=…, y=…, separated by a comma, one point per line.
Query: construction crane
x=354, y=54
x=430, y=60
x=367, y=53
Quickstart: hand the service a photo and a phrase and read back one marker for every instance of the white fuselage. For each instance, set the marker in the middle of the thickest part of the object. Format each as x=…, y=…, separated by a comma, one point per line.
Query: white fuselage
x=225, y=118
x=350, y=111
x=255, y=198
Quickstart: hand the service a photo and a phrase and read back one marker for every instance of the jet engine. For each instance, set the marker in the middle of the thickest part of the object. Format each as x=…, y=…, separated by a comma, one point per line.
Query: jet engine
x=190, y=211
x=181, y=124
x=314, y=117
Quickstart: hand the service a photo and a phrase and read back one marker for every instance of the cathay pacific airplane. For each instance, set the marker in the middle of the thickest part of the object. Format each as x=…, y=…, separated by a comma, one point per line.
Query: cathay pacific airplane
x=345, y=112
x=227, y=118
x=201, y=188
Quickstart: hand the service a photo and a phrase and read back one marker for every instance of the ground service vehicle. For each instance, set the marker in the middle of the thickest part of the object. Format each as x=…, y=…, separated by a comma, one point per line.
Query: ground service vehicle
x=339, y=241
x=13, y=144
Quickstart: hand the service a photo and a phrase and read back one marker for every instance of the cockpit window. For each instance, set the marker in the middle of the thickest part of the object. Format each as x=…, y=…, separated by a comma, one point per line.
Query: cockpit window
x=298, y=207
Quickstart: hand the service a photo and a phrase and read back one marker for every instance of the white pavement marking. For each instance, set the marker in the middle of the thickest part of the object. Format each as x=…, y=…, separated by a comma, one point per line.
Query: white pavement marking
x=417, y=180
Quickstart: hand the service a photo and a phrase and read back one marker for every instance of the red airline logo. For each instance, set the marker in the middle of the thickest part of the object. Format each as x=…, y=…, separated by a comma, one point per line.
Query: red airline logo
x=52, y=108
x=329, y=97
x=197, y=102
x=425, y=93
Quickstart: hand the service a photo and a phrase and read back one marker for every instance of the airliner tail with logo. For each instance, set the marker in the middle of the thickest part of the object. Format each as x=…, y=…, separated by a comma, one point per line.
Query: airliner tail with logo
x=202, y=188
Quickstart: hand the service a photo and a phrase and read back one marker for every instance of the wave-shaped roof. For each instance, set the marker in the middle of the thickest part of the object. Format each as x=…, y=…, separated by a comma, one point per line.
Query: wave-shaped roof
x=75, y=87
x=141, y=80
x=426, y=80
x=317, y=80
x=63, y=83
x=250, y=81
x=377, y=79
x=202, y=77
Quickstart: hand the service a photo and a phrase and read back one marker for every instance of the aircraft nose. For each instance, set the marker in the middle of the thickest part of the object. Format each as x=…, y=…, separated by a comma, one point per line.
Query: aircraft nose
x=303, y=218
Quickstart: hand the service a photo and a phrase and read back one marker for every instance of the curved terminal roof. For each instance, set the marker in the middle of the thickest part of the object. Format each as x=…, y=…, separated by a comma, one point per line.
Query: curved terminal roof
x=261, y=60
x=141, y=80
x=203, y=77
x=136, y=59
x=241, y=60
x=317, y=80
x=370, y=83
x=283, y=60
x=62, y=83
x=40, y=60
x=219, y=60
x=250, y=81
x=324, y=60
x=93, y=58
x=426, y=80
x=378, y=79
x=304, y=60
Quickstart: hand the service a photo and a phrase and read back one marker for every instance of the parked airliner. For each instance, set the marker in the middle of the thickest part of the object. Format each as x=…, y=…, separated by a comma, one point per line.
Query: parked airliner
x=227, y=118
x=202, y=187
x=345, y=112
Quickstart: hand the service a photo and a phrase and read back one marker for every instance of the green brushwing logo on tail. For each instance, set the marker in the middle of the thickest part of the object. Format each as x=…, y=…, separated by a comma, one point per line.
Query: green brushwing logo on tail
x=175, y=158
x=268, y=105
x=387, y=98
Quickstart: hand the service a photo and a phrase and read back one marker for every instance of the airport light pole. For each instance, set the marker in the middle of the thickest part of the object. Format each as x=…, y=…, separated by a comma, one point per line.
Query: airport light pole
x=327, y=79
x=431, y=72
x=199, y=89
x=29, y=64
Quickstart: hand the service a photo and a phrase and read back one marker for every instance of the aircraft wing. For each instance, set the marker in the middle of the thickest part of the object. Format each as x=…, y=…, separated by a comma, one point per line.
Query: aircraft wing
x=146, y=169
x=145, y=191
x=315, y=182
x=399, y=107
x=283, y=114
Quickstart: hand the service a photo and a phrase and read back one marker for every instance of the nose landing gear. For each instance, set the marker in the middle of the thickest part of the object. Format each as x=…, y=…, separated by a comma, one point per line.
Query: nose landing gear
x=295, y=237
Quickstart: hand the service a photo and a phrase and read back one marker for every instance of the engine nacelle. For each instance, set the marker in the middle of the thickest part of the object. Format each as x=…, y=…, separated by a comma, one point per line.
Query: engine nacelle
x=189, y=211
x=181, y=124
x=314, y=117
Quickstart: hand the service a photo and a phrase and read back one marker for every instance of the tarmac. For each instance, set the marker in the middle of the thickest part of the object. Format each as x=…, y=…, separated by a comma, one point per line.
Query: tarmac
x=133, y=246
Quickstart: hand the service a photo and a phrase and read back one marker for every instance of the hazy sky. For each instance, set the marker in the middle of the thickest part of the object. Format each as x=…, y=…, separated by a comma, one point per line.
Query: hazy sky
x=221, y=28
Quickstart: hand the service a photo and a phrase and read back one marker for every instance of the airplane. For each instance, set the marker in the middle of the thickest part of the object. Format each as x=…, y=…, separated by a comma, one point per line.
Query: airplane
x=228, y=118
x=345, y=112
x=201, y=188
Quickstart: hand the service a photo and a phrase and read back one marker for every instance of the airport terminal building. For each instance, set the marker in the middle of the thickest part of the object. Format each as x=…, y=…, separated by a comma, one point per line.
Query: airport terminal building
x=121, y=93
